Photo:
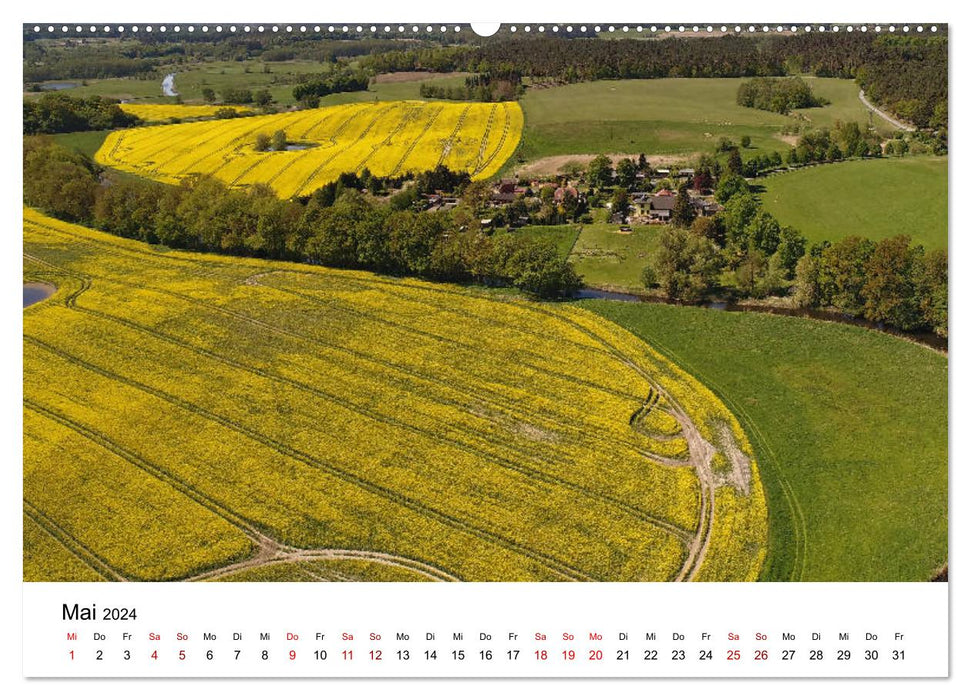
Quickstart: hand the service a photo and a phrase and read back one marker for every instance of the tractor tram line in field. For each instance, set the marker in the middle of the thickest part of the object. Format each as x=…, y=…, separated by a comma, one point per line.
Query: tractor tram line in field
x=414, y=142
x=477, y=436
x=347, y=309
x=447, y=145
x=495, y=458
x=408, y=116
x=551, y=562
x=332, y=137
x=423, y=136
x=661, y=460
x=657, y=458
x=484, y=143
x=361, y=137
x=506, y=128
x=701, y=452
x=343, y=349
x=70, y=543
x=260, y=160
x=677, y=532
x=447, y=341
x=267, y=549
x=237, y=147
x=797, y=516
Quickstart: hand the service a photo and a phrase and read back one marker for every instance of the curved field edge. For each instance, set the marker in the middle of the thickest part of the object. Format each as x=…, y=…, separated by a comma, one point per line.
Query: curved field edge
x=76, y=334
x=850, y=426
x=386, y=138
x=873, y=198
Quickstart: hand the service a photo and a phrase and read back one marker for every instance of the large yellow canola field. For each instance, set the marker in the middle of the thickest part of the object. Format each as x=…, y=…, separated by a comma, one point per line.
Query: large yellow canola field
x=388, y=138
x=164, y=112
x=194, y=416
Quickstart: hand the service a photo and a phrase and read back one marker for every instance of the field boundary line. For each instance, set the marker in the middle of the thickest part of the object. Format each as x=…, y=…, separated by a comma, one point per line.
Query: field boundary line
x=798, y=517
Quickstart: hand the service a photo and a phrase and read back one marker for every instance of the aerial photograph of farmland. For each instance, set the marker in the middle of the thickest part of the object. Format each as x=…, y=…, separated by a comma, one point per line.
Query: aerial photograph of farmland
x=406, y=303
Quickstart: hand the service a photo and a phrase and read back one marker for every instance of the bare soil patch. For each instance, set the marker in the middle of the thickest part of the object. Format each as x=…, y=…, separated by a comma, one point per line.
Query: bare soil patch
x=555, y=165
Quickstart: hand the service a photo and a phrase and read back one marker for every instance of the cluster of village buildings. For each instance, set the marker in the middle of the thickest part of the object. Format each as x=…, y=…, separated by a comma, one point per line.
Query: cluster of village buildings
x=646, y=207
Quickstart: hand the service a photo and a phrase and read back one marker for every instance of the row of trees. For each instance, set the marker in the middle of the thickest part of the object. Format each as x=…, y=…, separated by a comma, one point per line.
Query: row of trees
x=338, y=227
x=889, y=281
x=142, y=54
x=57, y=113
x=308, y=93
x=842, y=140
x=240, y=96
x=45, y=62
x=908, y=74
x=743, y=241
x=481, y=87
x=780, y=95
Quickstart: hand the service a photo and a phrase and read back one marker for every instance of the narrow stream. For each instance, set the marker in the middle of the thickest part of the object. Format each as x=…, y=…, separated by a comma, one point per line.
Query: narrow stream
x=929, y=339
x=168, y=86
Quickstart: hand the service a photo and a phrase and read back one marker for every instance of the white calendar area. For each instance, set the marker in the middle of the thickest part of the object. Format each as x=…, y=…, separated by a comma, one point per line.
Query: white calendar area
x=485, y=630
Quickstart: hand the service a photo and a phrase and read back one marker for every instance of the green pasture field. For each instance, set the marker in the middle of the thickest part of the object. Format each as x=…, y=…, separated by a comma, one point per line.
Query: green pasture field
x=609, y=259
x=850, y=426
x=564, y=236
x=220, y=75
x=875, y=199
x=670, y=116
x=191, y=79
x=844, y=105
x=86, y=142
x=389, y=91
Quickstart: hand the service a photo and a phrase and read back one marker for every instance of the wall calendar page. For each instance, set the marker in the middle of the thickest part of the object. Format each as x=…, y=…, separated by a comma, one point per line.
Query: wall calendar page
x=360, y=349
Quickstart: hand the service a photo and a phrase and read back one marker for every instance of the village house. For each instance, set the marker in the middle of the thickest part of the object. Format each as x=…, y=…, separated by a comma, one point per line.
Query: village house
x=505, y=191
x=658, y=207
x=662, y=206
x=561, y=192
x=440, y=202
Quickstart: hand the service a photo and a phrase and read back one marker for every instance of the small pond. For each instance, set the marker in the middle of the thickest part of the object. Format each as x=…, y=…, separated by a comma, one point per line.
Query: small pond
x=37, y=291
x=58, y=86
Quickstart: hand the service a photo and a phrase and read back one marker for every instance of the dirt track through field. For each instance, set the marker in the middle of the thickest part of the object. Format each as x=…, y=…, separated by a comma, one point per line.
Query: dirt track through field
x=269, y=551
x=879, y=112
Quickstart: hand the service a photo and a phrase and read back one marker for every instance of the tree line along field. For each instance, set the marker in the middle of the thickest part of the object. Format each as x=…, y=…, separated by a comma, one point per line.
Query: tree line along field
x=278, y=77
x=850, y=427
x=251, y=420
x=670, y=116
x=387, y=138
x=191, y=79
x=874, y=199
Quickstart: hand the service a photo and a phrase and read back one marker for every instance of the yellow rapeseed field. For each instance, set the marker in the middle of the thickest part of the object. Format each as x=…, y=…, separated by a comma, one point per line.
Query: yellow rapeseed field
x=387, y=138
x=194, y=416
x=164, y=112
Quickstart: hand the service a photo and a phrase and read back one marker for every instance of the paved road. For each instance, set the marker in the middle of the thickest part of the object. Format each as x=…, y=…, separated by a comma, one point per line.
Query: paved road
x=897, y=123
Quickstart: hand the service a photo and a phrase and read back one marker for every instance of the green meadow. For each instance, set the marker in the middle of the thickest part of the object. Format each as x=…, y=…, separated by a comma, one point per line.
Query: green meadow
x=610, y=259
x=669, y=116
x=849, y=425
x=875, y=199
